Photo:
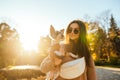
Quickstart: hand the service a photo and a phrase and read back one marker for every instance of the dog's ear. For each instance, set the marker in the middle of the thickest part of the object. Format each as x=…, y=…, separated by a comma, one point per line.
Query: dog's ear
x=62, y=31
x=52, y=32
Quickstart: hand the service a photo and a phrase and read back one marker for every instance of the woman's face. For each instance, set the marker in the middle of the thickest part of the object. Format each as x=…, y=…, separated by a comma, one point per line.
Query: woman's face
x=74, y=31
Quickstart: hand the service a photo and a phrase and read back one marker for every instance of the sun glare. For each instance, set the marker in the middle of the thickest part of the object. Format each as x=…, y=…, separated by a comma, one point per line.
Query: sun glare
x=29, y=44
x=30, y=40
x=30, y=31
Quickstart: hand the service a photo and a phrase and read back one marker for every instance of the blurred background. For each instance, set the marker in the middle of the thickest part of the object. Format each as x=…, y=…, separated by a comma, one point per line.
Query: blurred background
x=24, y=29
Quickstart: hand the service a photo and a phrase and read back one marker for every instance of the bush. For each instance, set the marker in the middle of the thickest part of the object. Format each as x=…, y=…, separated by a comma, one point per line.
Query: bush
x=99, y=62
x=115, y=60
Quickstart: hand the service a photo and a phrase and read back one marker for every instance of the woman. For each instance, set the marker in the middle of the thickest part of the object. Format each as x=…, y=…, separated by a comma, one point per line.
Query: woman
x=76, y=35
x=78, y=47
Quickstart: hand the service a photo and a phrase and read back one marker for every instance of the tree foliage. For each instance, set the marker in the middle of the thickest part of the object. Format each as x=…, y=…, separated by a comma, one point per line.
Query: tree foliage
x=114, y=36
x=9, y=45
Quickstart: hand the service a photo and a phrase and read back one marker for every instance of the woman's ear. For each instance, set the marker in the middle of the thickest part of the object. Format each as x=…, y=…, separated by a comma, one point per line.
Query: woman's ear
x=52, y=32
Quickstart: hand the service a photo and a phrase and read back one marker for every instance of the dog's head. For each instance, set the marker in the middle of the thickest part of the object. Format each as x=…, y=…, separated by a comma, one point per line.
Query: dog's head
x=56, y=35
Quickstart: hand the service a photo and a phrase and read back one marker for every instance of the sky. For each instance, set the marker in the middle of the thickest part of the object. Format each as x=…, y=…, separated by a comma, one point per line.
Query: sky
x=32, y=18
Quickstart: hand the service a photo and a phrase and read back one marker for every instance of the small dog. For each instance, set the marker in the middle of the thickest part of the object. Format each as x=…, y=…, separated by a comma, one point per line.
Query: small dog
x=57, y=37
x=58, y=54
x=55, y=53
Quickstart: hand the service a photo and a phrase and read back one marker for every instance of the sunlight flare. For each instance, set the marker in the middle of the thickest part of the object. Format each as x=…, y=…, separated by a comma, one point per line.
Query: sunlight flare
x=31, y=30
x=29, y=44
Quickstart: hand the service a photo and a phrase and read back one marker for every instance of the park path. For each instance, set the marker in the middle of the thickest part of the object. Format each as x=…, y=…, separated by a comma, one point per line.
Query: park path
x=107, y=73
x=103, y=73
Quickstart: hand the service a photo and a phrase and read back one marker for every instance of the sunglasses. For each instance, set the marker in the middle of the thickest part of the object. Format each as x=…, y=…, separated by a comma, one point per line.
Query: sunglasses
x=75, y=30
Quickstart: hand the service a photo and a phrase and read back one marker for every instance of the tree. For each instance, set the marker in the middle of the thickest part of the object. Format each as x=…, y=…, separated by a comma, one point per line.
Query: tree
x=97, y=38
x=114, y=37
x=43, y=47
x=112, y=34
x=103, y=19
x=113, y=28
x=10, y=45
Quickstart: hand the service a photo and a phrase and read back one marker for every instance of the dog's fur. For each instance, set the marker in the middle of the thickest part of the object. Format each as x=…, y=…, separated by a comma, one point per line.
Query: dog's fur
x=56, y=38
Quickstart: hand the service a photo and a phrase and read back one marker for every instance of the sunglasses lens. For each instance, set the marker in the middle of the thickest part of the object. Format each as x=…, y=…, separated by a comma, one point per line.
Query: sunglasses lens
x=76, y=31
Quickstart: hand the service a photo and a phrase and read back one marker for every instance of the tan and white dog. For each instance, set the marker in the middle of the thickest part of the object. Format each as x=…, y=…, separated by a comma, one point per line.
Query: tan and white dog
x=56, y=53
x=57, y=37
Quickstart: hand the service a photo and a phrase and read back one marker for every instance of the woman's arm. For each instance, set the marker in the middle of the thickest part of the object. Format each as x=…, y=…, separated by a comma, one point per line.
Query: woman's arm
x=47, y=65
x=91, y=71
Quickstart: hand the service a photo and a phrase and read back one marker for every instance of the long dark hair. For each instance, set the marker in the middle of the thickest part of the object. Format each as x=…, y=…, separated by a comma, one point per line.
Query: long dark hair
x=81, y=47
